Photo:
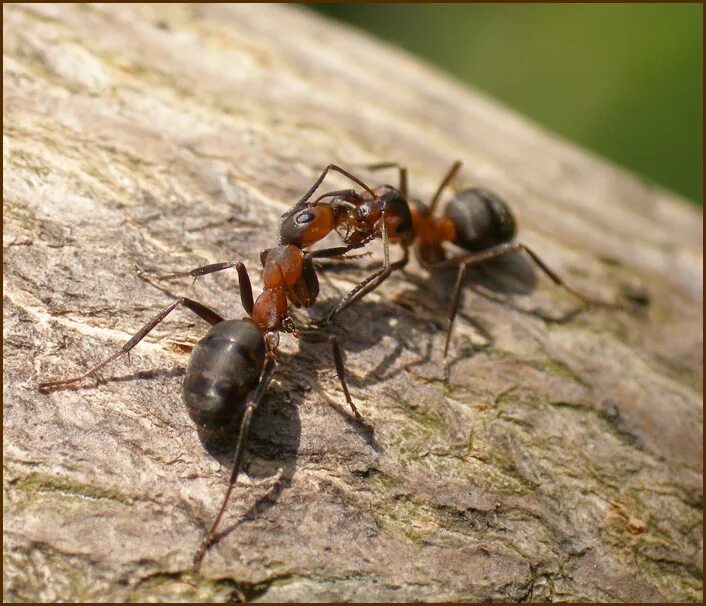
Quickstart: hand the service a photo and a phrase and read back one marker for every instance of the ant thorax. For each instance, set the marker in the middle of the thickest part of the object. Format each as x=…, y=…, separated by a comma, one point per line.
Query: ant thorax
x=431, y=231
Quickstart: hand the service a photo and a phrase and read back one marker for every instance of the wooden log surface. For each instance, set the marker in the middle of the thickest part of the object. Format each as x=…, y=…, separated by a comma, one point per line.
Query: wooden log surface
x=562, y=462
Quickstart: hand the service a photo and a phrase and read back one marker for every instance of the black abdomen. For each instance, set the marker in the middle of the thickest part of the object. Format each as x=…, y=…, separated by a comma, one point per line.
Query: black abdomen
x=223, y=369
x=481, y=219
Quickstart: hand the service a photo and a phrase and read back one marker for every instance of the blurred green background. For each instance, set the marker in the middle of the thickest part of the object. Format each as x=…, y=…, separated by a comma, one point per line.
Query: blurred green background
x=624, y=80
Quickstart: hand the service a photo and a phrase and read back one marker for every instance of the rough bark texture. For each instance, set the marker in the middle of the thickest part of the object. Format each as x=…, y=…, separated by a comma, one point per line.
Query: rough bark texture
x=563, y=461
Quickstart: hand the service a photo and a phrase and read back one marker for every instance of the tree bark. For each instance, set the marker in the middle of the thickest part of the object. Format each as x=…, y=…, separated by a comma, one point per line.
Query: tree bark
x=563, y=461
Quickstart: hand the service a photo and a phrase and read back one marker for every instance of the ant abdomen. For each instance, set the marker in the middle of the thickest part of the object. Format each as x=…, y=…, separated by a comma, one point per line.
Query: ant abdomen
x=481, y=219
x=224, y=368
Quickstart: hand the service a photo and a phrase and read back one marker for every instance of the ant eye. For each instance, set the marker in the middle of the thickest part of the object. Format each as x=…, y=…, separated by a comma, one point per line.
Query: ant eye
x=305, y=217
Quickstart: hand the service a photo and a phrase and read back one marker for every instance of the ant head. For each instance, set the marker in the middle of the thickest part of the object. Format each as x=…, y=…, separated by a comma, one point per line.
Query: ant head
x=388, y=200
x=481, y=219
x=307, y=226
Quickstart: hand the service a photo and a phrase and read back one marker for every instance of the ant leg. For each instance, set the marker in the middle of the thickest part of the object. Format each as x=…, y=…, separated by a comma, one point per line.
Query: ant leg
x=337, y=259
x=316, y=336
x=245, y=288
x=368, y=285
x=301, y=203
x=385, y=244
x=350, y=257
x=264, y=382
x=199, y=271
x=371, y=282
x=476, y=258
x=588, y=301
x=444, y=183
x=508, y=247
x=200, y=310
x=212, y=268
x=451, y=315
x=338, y=251
x=243, y=278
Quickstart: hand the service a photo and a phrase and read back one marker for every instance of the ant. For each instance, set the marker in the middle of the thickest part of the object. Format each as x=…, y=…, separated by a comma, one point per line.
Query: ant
x=231, y=367
x=475, y=219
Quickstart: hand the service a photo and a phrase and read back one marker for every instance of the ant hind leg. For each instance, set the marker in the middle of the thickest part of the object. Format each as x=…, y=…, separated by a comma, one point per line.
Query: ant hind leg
x=251, y=407
x=200, y=310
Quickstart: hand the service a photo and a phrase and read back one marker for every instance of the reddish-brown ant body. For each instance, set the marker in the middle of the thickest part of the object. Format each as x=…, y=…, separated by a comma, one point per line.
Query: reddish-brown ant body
x=231, y=367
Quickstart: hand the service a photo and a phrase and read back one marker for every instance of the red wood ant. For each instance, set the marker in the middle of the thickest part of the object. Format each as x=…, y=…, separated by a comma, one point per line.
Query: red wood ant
x=475, y=219
x=231, y=367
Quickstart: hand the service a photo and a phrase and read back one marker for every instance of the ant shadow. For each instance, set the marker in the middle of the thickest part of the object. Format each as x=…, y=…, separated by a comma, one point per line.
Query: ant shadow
x=497, y=280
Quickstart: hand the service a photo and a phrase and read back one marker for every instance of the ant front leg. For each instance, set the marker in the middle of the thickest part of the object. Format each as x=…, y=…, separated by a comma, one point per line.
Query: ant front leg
x=338, y=252
x=366, y=286
x=200, y=310
x=250, y=408
x=203, y=270
x=212, y=268
x=451, y=315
